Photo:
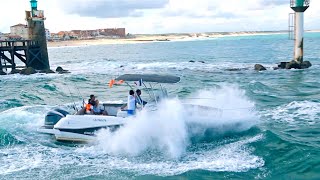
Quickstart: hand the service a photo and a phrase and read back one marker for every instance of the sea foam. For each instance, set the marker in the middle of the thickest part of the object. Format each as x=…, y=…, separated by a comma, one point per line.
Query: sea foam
x=170, y=127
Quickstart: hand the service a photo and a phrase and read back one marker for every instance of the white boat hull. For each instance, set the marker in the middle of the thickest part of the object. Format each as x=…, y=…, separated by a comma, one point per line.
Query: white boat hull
x=73, y=137
x=83, y=128
x=47, y=131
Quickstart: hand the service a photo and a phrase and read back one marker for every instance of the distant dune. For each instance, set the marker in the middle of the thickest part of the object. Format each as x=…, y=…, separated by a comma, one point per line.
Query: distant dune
x=146, y=38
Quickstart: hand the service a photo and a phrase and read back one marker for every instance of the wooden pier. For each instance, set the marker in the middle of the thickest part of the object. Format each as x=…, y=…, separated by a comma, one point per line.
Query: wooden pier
x=26, y=51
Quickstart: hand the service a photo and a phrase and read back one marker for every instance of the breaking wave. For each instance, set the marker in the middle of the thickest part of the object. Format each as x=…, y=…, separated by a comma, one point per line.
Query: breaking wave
x=170, y=128
x=296, y=113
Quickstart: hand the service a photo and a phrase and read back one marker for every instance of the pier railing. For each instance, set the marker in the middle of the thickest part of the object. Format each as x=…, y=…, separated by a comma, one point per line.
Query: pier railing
x=19, y=43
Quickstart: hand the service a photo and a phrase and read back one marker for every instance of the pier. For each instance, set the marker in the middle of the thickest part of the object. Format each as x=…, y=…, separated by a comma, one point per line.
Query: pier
x=33, y=51
x=26, y=51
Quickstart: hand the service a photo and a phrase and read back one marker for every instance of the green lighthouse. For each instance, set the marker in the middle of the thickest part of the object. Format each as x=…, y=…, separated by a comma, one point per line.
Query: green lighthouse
x=34, y=6
x=299, y=6
x=35, y=19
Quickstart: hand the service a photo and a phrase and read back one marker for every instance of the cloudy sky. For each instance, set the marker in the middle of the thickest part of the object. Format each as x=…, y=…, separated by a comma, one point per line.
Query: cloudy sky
x=161, y=16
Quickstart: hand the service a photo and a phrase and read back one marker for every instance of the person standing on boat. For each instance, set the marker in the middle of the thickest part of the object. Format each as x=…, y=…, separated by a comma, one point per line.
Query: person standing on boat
x=131, y=104
x=139, y=99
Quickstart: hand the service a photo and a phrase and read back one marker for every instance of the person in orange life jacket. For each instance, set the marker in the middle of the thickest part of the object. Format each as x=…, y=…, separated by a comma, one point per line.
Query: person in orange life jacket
x=91, y=103
x=89, y=109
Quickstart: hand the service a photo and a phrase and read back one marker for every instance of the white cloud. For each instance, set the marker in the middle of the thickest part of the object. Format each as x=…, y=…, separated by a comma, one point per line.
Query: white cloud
x=161, y=16
x=110, y=8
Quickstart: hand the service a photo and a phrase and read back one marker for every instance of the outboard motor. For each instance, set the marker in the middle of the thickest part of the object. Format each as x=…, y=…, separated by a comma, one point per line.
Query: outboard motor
x=62, y=111
x=53, y=117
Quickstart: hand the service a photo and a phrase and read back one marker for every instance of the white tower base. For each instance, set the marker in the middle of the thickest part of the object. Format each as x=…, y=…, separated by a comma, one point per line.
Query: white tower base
x=299, y=30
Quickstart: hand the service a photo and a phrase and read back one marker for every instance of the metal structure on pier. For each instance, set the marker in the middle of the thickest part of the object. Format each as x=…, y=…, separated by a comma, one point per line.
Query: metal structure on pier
x=32, y=52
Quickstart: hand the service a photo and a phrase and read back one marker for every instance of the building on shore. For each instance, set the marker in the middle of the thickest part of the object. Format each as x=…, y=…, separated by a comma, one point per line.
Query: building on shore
x=87, y=34
x=3, y=36
x=20, y=30
x=98, y=33
x=64, y=35
x=61, y=34
x=75, y=34
x=113, y=32
x=54, y=37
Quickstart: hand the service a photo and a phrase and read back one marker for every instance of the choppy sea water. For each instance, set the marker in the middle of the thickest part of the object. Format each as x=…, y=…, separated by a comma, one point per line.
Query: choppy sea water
x=268, y=128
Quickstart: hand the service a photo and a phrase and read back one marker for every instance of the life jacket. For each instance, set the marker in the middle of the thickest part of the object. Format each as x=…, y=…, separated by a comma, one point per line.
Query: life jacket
x=88, y=108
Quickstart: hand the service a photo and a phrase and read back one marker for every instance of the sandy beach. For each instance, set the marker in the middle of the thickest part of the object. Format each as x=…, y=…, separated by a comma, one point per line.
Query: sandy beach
x=146, y=38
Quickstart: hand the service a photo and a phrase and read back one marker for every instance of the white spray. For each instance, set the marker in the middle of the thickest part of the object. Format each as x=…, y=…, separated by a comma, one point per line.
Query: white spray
x=169, y=128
